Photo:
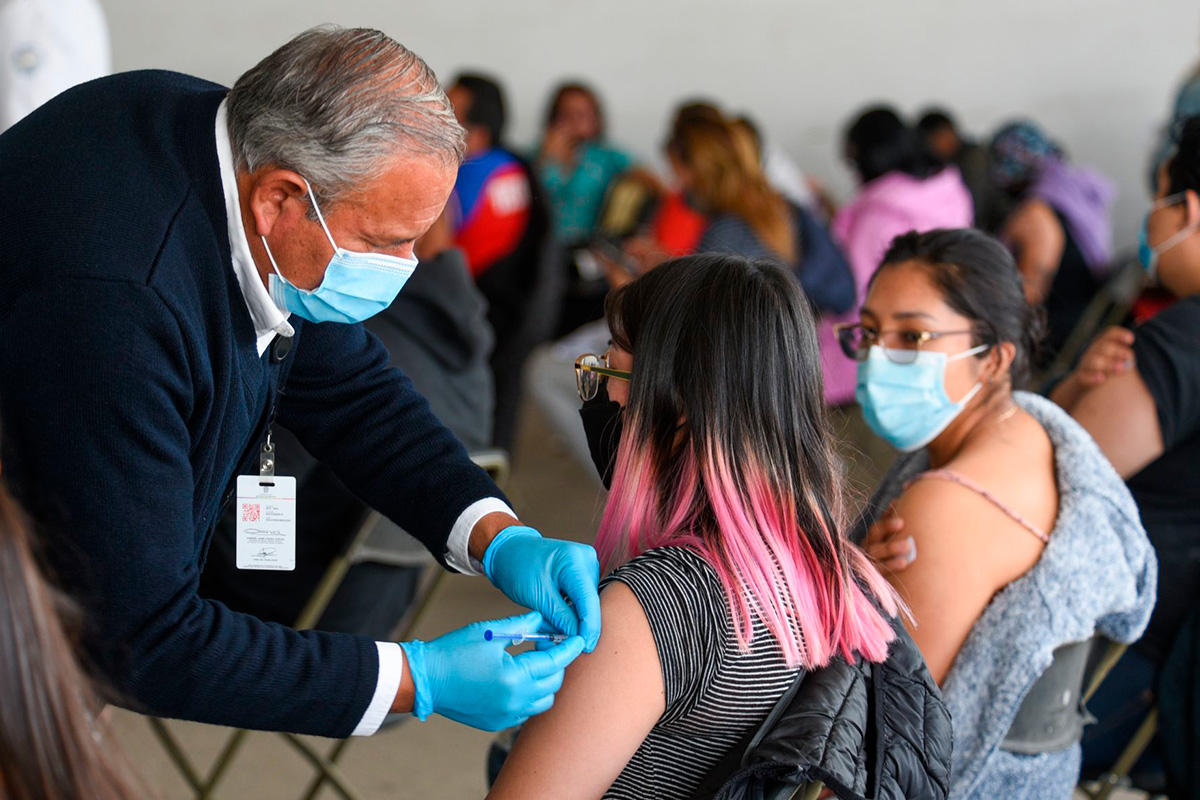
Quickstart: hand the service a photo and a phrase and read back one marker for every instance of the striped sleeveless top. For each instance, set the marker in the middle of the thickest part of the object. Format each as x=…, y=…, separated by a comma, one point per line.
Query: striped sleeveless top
x=715, y=694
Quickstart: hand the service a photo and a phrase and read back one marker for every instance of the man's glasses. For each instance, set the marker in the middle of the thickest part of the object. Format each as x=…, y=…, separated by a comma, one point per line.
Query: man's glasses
x=590, y=370
x=900, y=347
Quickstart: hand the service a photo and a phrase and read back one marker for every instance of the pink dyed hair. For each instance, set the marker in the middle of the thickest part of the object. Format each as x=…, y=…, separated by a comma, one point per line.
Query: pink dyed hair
x=766, y=563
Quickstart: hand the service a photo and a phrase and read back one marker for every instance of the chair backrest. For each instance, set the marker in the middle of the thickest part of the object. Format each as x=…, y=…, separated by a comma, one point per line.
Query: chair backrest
x=1052, y=716
x=1109, y=306
x=628, y=205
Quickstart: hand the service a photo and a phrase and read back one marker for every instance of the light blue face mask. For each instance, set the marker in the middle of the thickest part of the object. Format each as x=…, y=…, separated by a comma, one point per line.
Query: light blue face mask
x=1149, y=255
x=907, y=404
x=356, y=286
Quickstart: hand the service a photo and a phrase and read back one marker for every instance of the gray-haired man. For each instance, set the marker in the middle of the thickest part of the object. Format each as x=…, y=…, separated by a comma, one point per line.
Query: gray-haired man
x=185, y=265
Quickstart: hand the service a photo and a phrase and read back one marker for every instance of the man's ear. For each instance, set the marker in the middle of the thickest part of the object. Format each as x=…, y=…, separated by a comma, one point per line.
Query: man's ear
x=272, y=190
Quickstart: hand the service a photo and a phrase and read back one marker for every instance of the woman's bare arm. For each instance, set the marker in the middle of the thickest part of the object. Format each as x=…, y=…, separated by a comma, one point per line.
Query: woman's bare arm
x=1122, y=417
x=968, y=551
x=1037, y=238
x=608, y=704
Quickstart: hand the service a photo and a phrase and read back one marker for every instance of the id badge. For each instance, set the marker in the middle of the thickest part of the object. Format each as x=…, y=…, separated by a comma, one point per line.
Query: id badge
x=266, y=522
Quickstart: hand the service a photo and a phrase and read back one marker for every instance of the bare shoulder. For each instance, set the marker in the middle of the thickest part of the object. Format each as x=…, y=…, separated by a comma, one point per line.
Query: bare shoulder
x=1033, y=216
x=1015, y=466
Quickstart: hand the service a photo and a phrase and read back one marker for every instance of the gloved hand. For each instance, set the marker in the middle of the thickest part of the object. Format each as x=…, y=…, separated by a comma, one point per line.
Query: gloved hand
x=468, y=679
x=537, y=573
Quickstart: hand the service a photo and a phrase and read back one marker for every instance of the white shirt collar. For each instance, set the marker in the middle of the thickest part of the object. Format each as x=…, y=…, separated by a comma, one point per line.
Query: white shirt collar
x=268, y=320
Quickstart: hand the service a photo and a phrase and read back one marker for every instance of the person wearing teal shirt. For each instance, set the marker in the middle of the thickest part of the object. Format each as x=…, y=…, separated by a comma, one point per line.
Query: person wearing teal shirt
x=574, y=163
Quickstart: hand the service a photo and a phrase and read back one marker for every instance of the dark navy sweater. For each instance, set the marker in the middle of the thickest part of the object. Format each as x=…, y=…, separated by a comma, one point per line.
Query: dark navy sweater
x=132, y=395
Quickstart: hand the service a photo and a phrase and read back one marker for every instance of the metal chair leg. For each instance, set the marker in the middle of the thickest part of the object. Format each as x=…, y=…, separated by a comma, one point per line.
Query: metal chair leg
x=328, y=770
x=176, y=754
x=335, y=755
x=1129, y=756
x=222, y=764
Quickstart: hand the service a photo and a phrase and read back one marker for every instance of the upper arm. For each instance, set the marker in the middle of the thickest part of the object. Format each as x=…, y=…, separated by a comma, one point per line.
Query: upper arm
x=609, y=702
x=1121, y=416
x=951, y=582
x=1038, y=240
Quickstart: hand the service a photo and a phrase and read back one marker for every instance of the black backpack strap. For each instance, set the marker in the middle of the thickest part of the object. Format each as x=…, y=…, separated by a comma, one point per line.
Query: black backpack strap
x=737, y=755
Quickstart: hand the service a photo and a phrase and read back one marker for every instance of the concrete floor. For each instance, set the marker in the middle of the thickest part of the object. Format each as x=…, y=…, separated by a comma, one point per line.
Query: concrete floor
x=436, y=758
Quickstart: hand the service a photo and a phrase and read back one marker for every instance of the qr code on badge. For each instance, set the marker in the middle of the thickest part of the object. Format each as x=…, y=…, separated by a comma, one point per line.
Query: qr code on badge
x=251, y=512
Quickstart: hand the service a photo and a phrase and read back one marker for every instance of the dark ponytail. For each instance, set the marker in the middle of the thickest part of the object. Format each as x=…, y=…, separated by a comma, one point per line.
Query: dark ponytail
x=978, y=279
x=1183, y=170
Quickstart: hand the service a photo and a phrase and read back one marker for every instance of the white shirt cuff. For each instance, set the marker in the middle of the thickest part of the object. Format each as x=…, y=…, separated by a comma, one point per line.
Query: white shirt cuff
x=457, y=555
x=391, y=670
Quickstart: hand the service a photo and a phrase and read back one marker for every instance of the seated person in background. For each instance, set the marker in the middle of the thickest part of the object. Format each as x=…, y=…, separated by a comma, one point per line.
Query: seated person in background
x=1061, y=229
x=678, y=224
x=718, y=167
x=491, y=199
x=1138, y=394
x=727, y=570
x=902, y=188
x=502, y=225
x=435, y=331
x=53, y=744
x=575, y=164
x=944, y=140
x=782, y=172
x=1024, y=538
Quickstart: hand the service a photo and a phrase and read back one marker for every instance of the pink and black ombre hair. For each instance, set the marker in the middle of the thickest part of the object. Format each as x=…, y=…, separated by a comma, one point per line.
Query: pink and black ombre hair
x=726, y=450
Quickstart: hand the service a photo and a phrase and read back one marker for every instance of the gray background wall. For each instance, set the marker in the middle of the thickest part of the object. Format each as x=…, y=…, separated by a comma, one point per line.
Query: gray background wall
x=1098, y=74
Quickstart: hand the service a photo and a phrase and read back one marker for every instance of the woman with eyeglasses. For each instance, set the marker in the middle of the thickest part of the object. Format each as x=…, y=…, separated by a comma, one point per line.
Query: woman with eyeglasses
x=1002, y=525
x=727, y=569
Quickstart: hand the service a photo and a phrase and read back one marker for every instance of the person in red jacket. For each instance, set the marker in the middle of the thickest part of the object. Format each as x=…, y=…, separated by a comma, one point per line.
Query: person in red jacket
x=492, y=198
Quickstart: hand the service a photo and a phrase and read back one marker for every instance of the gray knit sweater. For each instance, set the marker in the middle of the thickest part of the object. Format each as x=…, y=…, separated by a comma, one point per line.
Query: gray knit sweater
x=1097, y=575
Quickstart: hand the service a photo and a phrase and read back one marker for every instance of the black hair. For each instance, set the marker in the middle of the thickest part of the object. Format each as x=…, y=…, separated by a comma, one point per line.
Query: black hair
x=726, y=448
x=564, y=89
x=487, y=104
x=978, y=278
x=935, y=119
x=1183, y=169
x=730, y=344
x=879, y=142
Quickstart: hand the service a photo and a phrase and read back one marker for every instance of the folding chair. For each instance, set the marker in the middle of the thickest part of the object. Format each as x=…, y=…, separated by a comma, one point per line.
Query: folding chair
x=379, y=541
x=1109, y=781
x=1110, y=306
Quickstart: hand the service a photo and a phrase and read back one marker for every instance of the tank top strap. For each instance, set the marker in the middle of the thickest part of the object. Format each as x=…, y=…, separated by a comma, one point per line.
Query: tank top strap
x=964, y=481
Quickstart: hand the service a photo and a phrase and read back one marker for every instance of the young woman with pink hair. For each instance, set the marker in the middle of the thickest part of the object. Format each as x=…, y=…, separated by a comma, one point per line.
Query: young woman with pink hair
x=727, y=570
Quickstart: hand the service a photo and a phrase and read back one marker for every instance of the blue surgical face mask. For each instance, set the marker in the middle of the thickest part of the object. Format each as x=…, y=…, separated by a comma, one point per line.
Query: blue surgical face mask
x=1149, y=255
x=356, y=286
x=907, y=404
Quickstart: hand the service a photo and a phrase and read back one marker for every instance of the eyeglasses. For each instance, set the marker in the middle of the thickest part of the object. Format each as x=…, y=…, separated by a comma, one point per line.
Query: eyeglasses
x=900, y=346
x=590, y=370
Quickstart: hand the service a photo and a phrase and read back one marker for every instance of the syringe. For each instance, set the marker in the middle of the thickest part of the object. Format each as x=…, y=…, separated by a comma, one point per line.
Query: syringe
x=517, y=638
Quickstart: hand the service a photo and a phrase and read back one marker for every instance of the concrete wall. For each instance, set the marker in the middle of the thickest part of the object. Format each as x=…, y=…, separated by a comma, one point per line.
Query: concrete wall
x=1098, y=74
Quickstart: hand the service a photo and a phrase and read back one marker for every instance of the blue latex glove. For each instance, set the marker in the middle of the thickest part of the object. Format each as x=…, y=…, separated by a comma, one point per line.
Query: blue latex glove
x=537, y=573
x=468, y=679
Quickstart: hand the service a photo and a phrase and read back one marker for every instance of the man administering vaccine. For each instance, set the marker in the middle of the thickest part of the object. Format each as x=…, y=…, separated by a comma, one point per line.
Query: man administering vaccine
x=183, y=266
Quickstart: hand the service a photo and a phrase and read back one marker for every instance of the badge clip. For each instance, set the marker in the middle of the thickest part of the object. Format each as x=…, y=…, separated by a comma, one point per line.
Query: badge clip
x=266, y=459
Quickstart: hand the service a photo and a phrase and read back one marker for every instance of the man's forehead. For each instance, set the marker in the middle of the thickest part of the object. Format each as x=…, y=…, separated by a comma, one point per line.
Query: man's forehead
x=406, y=197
